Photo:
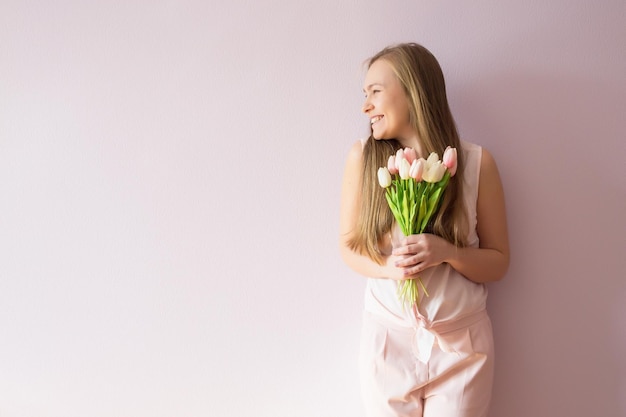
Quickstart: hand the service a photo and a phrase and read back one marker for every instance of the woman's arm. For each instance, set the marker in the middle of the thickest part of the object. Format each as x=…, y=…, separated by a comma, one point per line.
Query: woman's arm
x=490, y=260
x=349, y=211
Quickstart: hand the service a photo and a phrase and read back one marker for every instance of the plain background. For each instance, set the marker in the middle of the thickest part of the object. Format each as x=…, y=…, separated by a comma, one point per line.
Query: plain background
x=169, y=191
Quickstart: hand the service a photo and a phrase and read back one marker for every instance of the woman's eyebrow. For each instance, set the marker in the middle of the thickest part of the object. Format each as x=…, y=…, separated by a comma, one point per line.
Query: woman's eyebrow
x=369, y=87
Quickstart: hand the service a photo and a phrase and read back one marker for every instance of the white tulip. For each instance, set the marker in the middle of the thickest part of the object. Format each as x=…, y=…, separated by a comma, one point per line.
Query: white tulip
x=384, y=177
x=434, y=172
x=404, y=169
x=432, y=158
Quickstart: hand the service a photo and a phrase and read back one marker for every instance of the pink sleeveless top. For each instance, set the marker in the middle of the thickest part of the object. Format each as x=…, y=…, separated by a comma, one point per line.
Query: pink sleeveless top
x=453, y=300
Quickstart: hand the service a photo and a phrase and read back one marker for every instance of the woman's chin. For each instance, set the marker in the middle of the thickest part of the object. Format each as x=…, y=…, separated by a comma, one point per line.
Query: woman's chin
x=380, y=137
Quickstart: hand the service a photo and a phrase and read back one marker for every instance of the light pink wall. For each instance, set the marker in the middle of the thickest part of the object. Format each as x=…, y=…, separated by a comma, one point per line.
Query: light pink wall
x=169, y=182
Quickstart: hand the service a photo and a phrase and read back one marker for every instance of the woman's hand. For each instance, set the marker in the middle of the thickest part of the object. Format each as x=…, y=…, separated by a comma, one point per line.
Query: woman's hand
x=392, y=270
x=415, y=253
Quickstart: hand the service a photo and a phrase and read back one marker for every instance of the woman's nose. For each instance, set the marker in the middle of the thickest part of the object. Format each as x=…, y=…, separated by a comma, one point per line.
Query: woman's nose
x=367, y=106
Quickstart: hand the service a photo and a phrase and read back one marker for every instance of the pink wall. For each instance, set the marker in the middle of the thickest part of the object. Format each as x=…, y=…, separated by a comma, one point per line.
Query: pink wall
x=169, y=182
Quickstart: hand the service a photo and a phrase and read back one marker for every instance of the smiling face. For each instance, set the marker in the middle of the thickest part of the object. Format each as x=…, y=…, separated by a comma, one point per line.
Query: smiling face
x=386, y=104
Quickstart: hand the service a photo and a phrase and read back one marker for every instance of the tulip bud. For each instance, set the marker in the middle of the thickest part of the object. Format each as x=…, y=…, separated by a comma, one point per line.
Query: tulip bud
x=399, y=158
x=450, y=160
x=417, y=169
x=432, y=158
x=384, y=177
x=435, y=172
x=391, y=165
x=404, y=169
x=410, y=155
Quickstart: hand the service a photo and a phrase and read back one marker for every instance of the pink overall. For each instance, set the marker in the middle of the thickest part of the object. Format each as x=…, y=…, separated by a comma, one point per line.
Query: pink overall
x=435, y=360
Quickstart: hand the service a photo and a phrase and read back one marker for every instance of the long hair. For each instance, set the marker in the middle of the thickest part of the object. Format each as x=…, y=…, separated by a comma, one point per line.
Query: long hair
x=422, y=79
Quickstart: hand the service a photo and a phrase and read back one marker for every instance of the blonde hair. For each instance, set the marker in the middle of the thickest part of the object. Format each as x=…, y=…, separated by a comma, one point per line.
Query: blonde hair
x=422, y=79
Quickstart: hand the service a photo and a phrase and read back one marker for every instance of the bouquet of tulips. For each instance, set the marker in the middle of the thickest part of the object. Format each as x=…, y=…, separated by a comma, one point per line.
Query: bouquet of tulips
x=414, y=187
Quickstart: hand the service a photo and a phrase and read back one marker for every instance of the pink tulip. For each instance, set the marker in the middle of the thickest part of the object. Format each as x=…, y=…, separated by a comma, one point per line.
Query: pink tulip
x=450, y=160
x=391, y=165
x=399, y=158
x=417, y=168
x=410, y=155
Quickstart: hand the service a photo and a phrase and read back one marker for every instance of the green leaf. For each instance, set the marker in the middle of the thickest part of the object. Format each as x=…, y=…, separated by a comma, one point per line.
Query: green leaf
x=422, y=219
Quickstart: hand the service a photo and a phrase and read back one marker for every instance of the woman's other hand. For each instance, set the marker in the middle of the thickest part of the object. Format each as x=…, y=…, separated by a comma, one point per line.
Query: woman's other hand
x=415, y=253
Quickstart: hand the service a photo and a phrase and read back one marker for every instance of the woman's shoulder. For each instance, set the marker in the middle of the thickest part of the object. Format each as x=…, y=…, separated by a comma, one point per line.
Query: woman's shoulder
x=472, y=155
x=484, y=157
x=356, y=150
x=354, y=159
x=479, y=160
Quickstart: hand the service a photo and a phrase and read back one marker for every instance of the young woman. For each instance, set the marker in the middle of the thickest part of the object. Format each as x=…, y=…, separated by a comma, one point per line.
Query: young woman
x=435, y=359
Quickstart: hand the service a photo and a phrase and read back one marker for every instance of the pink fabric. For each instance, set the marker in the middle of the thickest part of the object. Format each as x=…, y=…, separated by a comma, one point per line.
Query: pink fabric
x=456, y=381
